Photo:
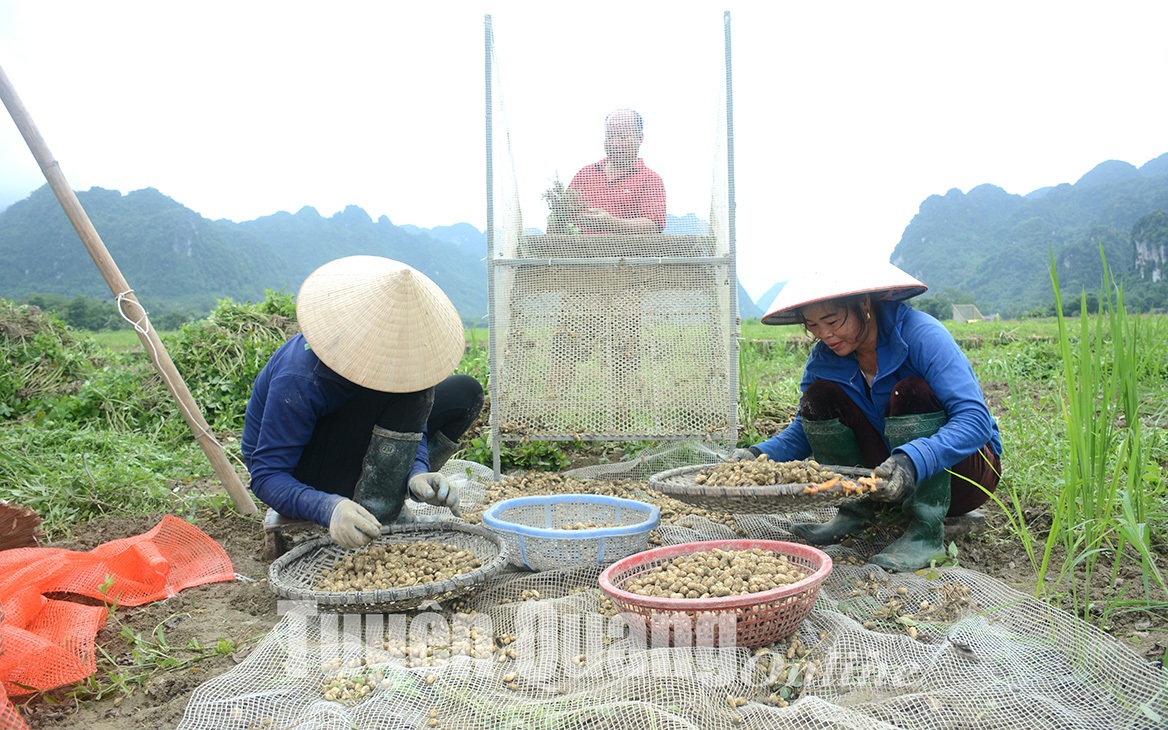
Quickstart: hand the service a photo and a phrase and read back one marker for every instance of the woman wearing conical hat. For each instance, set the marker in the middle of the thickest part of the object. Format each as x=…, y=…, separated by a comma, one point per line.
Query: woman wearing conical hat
x=885, y=387
x=361, y=408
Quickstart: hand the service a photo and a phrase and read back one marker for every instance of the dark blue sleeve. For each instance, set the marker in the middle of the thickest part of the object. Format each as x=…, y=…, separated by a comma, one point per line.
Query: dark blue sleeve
x=422, y=457
x=791, y=443
x=970, y=426
x=292, y=408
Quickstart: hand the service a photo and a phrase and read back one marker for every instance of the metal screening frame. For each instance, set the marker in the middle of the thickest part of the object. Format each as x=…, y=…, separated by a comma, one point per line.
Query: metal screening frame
x=552, y=271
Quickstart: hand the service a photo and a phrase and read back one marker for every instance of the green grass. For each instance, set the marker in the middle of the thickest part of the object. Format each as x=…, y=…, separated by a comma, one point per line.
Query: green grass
x=70, y=473
x=121, y=339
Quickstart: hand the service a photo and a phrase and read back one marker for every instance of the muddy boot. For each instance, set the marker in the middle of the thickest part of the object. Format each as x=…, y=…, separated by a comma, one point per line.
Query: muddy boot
x=851, y=518
x=925, y=535
x=899, y=430
x=834, y=443
x=381, y=488
x=441, y=448
x=925, y=508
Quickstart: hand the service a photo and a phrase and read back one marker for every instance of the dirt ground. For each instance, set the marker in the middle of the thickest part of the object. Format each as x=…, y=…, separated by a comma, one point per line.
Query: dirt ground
x=243, y=611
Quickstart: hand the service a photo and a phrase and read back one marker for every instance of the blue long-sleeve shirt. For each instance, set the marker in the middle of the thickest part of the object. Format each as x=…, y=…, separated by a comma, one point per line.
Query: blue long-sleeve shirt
x=909, y=344
x=294, y=391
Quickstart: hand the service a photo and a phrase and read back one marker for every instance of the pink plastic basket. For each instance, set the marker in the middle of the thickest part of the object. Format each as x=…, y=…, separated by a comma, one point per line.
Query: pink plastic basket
x=760, y=618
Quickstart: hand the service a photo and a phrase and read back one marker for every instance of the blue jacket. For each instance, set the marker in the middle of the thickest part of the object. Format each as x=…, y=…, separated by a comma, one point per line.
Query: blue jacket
x=909, y=344
x=294, y=391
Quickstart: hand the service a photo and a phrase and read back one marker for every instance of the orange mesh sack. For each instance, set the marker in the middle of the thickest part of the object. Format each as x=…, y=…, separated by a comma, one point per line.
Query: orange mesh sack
x=50, y=642
x=55, y=649
x=157, y=564
x=9, y=717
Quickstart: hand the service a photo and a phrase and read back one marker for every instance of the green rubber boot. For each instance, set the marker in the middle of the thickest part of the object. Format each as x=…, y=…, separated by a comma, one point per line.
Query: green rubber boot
x=834, y=443
x=441, y=448
x=381, y=488
x=925, y=508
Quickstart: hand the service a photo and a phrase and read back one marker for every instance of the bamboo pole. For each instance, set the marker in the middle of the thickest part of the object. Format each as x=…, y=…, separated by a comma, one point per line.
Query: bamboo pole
x=127, y=303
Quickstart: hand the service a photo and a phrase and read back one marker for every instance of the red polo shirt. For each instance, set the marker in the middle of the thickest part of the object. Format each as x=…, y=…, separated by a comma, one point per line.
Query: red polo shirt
x=639, y=193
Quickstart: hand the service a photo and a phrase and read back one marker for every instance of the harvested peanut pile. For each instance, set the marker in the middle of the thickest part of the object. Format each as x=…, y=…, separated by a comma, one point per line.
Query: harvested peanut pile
x=763, y=472
x=901, y=611
x=527, y=484
x=352, y=690
x=717, y=573
x=397, y=565
x=588, y=525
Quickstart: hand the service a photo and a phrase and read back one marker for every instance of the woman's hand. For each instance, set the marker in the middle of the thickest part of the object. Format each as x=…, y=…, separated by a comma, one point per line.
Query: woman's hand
x=432, y=488
x=900, y=478
x=351, y=525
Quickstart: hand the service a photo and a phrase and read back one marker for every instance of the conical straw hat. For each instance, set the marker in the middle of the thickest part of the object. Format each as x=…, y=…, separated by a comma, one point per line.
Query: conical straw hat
x=881, y=280
x=380, y=323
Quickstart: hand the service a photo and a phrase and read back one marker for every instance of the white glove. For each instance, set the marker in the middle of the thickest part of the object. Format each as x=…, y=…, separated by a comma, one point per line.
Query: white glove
x=432, y=488
x=742, y=455
x=351, y=525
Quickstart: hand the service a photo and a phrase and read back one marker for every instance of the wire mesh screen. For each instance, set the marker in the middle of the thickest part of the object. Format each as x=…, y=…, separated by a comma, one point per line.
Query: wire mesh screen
x=612, y=318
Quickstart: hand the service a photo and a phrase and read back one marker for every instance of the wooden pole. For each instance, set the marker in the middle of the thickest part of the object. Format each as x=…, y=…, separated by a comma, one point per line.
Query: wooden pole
x=127, y=303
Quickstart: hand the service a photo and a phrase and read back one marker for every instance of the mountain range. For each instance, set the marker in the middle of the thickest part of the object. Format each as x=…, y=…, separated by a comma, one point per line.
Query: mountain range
x=985, y=247
x=994, y=249
x=176, y=258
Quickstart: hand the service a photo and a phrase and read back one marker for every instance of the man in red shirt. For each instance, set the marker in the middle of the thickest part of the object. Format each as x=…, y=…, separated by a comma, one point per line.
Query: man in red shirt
x=620, y=194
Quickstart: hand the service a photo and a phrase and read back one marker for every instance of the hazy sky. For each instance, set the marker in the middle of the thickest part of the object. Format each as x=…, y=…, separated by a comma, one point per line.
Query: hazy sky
x=847, y=114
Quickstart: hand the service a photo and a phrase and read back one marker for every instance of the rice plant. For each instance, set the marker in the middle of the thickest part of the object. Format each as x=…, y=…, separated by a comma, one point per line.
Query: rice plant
x=1103, y=508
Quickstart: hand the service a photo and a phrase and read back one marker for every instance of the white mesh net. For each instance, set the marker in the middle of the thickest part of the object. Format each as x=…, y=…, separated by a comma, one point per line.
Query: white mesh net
x=606, y=325
x=545, y=650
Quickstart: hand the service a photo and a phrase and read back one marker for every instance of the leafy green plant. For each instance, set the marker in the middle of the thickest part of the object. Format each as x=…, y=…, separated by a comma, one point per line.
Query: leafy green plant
x=220, y=356
x=144, y=657
x=524, y=455
x=1105, y=499
x=43, y=359
x=946, y=558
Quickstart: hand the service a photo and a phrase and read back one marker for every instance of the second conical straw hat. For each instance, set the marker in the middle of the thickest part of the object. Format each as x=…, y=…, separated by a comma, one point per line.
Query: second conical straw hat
x=380, y=323
x=880, y=280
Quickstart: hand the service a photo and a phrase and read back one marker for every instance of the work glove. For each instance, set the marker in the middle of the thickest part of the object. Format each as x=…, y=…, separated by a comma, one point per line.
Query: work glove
x=742, y=455
x=432, y=488
x=900, y=478
x=351, y=525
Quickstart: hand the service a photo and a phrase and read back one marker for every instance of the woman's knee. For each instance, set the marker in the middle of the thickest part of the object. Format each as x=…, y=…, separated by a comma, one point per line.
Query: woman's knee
x=407, y=412
x=913, y=396
x=458, y=402
x=823, y=400
x=460, y=391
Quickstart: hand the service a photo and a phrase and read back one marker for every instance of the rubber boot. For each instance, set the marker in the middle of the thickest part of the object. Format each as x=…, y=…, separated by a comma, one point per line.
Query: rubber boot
x=381, y=488
x=835, y=444
x=925, y=508
x=441, y=448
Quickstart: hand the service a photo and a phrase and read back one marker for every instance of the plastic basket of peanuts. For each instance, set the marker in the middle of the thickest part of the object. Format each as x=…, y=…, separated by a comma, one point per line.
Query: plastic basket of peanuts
x=693, y=593
x=407, y=565
x=753, y=485
x=546, y=532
